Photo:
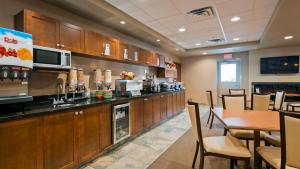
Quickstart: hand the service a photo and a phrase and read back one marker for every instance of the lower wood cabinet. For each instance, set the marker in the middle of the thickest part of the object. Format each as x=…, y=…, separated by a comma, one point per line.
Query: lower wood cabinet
x=105, y=126
x=21, y=144
x=182, y=99
x=163, y=107
x=148, y=112
x=137, y=116
x=170, y=105
x=156, y=109
x=59, y=137
x=174, y=103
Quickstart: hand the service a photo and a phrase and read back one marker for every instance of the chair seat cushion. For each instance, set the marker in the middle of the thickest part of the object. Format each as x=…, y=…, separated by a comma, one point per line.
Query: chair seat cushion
x=226, y=145
x=272, y=155
x=245, y=134
x=273, y=140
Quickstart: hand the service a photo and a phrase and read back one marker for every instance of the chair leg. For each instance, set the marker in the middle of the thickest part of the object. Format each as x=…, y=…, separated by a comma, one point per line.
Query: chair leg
x=259, y=162
x=196, y=154
x=225, y=131
x=212, y=120
x=231, y=164
x=201, y=165
x=247, y=164
x=208, y=117
x=247, y=143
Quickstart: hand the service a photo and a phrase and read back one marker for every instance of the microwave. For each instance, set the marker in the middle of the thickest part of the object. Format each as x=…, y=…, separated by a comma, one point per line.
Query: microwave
x=45, y=57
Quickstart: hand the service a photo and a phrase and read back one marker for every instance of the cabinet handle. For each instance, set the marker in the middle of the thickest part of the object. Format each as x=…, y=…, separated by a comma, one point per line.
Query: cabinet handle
x=80, y=112
x=76, y=113
x=145, y=99
x=62, y=46
x=58, y=45
x=161, y=96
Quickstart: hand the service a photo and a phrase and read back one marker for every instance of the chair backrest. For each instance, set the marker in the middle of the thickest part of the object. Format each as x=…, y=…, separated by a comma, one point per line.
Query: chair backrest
x=209, y=99
x=234, y=102
x=290, y=139
x=279, y=98
x=194, y=114
x=237, y=91
x=260, y=101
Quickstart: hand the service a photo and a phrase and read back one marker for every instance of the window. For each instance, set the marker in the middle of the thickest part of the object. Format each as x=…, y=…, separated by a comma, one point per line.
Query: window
x=228, y=72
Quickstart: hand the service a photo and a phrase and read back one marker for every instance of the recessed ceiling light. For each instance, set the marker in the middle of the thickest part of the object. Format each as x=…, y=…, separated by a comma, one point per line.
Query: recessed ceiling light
x=204, y=53
x=235, y=19
x=157, y=40
x=288, y=37
x=122, y=22
x=182, y=30
x=236, y=39
x=198, y=44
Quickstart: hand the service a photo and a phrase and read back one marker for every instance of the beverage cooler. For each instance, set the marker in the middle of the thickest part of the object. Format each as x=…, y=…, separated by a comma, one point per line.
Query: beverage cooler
x=15, y=65
x=121, y=122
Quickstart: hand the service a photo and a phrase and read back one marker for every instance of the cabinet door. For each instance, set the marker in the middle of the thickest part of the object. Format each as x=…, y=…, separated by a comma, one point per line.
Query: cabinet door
x=137, y=115
x=143, y=58
x=131, y=53
x=93, y=43
x=174, y=102
x=71, y=37
x=105, y=126
x=155, y=60
x=178, y=102
x=121, y=51
x=170, y=105
x=59, y=140
x=44, y=30
x=182, y=101
x=148, y=112
x=163, y=107
x=112, y=48
x=88, y=133
x=21, y=144
x=156, y=109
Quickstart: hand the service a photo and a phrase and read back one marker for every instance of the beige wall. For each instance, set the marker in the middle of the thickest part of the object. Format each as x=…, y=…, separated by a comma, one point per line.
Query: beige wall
x=43, y=83
x=254, y=64
x=200, y=74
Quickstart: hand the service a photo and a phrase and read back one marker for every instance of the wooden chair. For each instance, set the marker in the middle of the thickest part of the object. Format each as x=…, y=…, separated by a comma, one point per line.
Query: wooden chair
x=279, y=99
x=238, y=102
x=260, y=101
x=286, y=157
x=237, y=91
x=211, y=107
x=219, y=146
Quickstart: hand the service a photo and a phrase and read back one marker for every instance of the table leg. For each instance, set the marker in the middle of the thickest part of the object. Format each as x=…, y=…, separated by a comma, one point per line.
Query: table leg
x=257, y=164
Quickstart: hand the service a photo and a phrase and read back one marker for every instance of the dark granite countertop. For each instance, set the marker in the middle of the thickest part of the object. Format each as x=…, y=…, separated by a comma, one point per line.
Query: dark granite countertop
x=40, y=109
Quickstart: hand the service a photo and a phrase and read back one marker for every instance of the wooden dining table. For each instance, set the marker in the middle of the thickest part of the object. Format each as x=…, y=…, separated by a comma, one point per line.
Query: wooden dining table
x=255, y=120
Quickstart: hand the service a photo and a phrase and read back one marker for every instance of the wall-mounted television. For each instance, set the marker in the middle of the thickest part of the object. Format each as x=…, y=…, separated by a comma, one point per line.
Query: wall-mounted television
x=279, y=65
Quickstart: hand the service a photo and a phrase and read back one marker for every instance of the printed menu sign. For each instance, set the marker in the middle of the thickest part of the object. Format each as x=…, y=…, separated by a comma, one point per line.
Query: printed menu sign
x=15, y=48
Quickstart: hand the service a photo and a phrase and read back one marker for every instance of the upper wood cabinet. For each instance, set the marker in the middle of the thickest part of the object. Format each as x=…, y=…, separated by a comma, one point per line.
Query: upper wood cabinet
x=134, y=53
x=50, y=32
x=93, y=43
x=21, y=144
x=71, y=37
x=44, y=30
x=123, y=51
x=110, y=48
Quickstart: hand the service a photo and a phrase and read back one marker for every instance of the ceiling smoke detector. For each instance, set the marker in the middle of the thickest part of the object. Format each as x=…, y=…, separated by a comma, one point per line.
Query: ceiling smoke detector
x=217, y=40
x=205, y=11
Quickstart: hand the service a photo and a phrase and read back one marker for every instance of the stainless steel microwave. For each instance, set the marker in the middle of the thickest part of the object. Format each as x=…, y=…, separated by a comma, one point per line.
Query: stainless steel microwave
x=45, y=57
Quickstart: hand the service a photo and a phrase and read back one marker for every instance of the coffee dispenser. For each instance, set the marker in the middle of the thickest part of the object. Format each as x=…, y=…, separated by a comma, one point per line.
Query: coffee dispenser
x=15, y=65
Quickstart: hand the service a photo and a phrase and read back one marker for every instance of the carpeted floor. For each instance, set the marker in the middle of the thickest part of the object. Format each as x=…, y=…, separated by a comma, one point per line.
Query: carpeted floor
x=180, y=154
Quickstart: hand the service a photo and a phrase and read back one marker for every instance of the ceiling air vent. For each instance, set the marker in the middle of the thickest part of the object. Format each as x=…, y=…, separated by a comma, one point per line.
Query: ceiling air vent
x=217, y=40
x=205, y=11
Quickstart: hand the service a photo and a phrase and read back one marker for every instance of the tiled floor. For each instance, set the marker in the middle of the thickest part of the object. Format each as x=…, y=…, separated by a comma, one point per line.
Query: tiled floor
x=143, y=150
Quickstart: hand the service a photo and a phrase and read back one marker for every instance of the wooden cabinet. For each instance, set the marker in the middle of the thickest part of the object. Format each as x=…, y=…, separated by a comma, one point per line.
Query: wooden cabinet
x=148, y=112
x=182, y=99
x=170, y=105
x=44, y=30
x=122, y=48
x=174, y=103
x=71, y=37
x=156, y=109
x=93, y=43
x=154, y=59
x=50, y=32
x=59, y=136
x=137, y=115
x=112, y=45
x=21, y=144
x=163, y=106
x=88, y=133
x=105, y=126
x=162, y=62
x=178, y=102
x=133, y=53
